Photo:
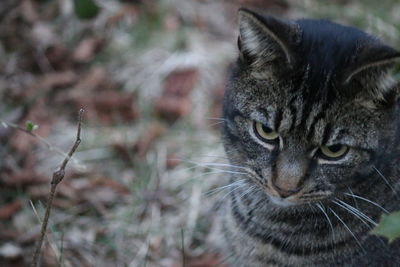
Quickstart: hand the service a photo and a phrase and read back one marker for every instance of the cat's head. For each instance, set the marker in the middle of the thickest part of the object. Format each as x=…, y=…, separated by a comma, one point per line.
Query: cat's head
x=308, y=107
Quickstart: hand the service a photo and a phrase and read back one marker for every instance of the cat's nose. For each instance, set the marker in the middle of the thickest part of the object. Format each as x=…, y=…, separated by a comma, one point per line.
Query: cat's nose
x=290, y=172
x=284, y=193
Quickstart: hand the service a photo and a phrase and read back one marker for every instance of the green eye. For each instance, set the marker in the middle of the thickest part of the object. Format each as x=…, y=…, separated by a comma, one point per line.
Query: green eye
x=333, y=152
x=265, y=133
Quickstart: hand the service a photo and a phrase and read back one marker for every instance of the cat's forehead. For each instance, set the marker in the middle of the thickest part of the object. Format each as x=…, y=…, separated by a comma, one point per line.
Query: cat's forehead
x=328, y=47
x=316, y=117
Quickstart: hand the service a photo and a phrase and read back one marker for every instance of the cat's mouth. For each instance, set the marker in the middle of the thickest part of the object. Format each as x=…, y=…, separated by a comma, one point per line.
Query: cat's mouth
x=293, y=201
x=281, y=201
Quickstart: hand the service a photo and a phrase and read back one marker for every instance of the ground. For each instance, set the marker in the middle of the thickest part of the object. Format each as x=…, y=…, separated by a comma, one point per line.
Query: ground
x=141, y=189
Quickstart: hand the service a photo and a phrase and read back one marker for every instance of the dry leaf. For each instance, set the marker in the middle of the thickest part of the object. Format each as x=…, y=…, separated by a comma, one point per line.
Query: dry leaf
x=128, y=14
x=59, y=57
x=8, y=210
x=108, y=182
x=23, y=178
x=174, y=101
x=172, y=161
x=50, y=81
x=180, y=82
x=172, y=108
x=108, y=106
x=86, y=49
x=29, y=11
x=144, y=143
x=206, y=260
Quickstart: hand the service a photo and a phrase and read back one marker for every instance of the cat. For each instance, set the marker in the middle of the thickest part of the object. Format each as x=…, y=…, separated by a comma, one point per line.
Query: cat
x=311, y=126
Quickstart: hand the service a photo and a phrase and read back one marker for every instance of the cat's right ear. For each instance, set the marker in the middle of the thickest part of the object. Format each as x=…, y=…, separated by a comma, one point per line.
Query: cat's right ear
x=265, y=39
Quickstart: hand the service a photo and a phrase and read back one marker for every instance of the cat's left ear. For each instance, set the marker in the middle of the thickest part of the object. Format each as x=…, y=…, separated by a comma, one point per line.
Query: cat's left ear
x=371, y=67
x=265, y=39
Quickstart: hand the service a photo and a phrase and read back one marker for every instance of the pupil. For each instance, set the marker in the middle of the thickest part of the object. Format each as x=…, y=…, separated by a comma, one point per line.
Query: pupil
x=266, y=129
x=335, y=148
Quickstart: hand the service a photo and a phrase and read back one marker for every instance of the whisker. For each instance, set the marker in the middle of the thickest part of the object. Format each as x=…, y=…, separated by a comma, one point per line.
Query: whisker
x=221, y=188
x=226, y=171
x=215, y=169
x=364, y=216
x=211, y=156
x=205, y=164
x=249, y=190
x=384, y=178
x=348, y=229
x=215, y=123
x=209, y=165
x=235, y=188
x=361, y=216
x=359, y=212
x=367, y=200
x=251, y=172
x=351, y=212
x=214, y=172
x=320, y=206
x=216, y=118
x=354, y=199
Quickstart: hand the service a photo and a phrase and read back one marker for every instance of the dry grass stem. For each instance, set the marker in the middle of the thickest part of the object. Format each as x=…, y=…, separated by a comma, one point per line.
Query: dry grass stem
x=58, y=176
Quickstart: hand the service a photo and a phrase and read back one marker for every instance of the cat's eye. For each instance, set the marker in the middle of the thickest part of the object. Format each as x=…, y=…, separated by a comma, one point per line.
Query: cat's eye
x=265, y=133
x=333, y=152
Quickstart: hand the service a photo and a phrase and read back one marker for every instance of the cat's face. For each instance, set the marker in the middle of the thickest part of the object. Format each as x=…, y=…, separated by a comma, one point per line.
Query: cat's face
x=307, y=114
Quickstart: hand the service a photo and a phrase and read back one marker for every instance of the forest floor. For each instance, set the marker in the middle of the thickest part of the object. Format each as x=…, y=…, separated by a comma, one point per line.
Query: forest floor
x=140, y=191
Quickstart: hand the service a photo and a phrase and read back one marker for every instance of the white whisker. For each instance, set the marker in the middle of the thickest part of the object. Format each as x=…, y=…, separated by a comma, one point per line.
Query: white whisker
x=249, y=190
x=215, y=169
x=361, y=216
x=351, y=212
x=367, y=200
x=216, y=118
x=214, y=172
x=211, y=156
x=354, y=199
x=348, y=229
x=215, y=123
x=206, y=164
x=221, y=188
x=384, y=178
x=235, y=188
x=320, y=206
x=358, y=212
x=210, y=165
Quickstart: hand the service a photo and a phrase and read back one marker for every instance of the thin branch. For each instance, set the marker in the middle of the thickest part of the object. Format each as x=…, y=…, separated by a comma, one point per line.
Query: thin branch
x=58, y=176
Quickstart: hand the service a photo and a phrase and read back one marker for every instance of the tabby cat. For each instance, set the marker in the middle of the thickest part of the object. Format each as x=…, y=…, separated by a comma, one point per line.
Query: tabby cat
x=311, y=128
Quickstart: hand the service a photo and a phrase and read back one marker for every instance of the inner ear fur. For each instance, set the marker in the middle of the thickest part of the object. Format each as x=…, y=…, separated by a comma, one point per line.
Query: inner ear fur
x=264, y=39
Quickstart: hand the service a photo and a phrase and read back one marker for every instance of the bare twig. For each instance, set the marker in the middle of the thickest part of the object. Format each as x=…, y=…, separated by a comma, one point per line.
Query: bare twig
x=58, y=176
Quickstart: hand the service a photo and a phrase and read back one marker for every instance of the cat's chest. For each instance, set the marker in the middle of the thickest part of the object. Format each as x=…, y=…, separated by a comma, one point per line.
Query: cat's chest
x=276, y=244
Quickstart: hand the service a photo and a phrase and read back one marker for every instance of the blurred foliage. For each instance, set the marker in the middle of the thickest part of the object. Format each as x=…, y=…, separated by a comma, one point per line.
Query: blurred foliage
x=389, y=226
x=86, y=9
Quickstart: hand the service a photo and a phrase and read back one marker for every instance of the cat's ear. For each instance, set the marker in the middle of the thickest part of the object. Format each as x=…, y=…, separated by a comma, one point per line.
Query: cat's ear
x=264, y=39
x=372, y=66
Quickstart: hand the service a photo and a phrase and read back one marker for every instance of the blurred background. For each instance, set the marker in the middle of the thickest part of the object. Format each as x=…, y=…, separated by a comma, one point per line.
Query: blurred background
x=150, y=75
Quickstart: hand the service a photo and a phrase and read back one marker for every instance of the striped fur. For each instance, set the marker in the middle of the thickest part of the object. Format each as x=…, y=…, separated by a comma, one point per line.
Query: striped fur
x=311, y=82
